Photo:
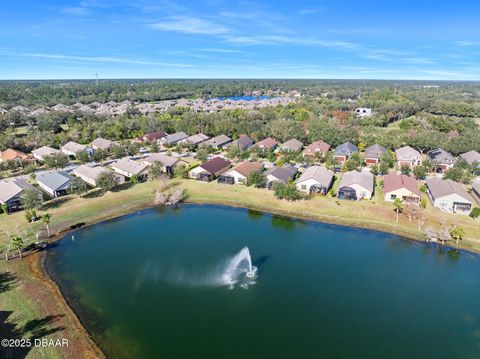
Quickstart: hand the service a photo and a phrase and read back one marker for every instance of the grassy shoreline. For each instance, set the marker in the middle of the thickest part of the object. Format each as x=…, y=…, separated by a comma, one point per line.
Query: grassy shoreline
x=35, y=295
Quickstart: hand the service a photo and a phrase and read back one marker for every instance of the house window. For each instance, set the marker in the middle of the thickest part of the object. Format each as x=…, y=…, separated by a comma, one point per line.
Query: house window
x=303, y=186
x=393, y=196
x=241, y=179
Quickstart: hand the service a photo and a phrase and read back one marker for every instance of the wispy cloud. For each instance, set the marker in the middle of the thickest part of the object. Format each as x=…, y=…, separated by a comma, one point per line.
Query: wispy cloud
x=106, y=59
x=466, y=43
x=190, y=25
x=76, y=10
x=310, y=11
x=225, y=51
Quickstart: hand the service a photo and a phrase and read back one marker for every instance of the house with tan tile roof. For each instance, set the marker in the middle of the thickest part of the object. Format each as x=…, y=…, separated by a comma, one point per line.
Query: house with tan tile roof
x=240, y=173
x=11, y=155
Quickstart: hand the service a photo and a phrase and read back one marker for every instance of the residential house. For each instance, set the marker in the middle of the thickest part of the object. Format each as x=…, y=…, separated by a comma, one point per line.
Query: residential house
x=195, y=140
x=316, y=148
x=292, y=145
x=441, y=159
x=315, y=179
x=240, y=173
x=169, y=163
x=363, y=112
x=343, y=152
x=449, y=196
x=42, y=152
x=12, y=155
x=408, y=156
x=210, y=169
x=102, y=144
x=89, y=174
x=174, y=138
x=356, y=185
x=217, y=141
x=130, y=168
x=153, y=136
x=401, y=186
x=476, y=191
x=243, y=142
x=280, y=175
x=55, y=183
x=373, y=154
x=72, y=148
x=473, y=159
x=12, y=190
x=267, y=144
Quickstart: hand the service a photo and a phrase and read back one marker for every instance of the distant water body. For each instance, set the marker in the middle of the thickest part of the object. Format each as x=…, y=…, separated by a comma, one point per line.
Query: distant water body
x=146, y=286
x=243, y=98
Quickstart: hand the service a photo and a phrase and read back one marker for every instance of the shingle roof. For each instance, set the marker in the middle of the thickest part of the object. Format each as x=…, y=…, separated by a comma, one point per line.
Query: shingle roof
x=219, y=140
x=101, y=143
x=245, y=168
x=441, y=156
x=91, y=172
x=293, y=145
x=282, y=173
x=215, y=164
x=244, y=142
x=166, y=160
x=440, y=188
x=471, y=157
x=12, y=187
x=44, y=151
x=317, y=146
x=175, y=137
x=319, y=174
x=392, y=182
x=407, y=153
x=196, y=139
x=128, y=165
x=267, y=143
x=153, y=136
x=73, y=147
x=53, y=179
x=345, y=149
x=375, y=151
x=364, y=179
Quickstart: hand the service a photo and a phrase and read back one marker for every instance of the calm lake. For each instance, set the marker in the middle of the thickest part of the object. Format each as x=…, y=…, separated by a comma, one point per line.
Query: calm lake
x=152, y=285
x=244, y=98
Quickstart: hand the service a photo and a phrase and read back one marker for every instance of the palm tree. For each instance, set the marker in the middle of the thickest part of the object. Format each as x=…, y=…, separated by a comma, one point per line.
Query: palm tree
x=18, y=243
x=457, y=233
x=46, y=221
x=398, y=206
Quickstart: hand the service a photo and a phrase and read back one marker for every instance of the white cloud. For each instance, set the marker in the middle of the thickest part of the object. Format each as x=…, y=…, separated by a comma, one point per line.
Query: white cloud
x=77, y=11
x=107, y=59
x=190, y=25
x=466, y=43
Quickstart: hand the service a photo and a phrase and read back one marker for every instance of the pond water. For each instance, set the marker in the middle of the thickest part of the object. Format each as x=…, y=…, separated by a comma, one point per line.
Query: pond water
x=244, y=98
x=152, y=285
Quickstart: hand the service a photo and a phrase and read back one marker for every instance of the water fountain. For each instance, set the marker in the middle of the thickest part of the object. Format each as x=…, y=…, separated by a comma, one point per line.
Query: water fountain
x=240, y=264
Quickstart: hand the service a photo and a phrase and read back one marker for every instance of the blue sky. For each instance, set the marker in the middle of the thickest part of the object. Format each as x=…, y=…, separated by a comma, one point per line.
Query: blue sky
x=437, y=40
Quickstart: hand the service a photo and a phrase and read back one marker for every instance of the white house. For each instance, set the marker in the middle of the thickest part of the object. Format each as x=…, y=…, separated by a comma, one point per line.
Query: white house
x=72, y=148
x=130, y=168
x=42, y=152
x=55, y=183
x=315, y=179
x=449, y=196
x=89, y=174
x=356, y=185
